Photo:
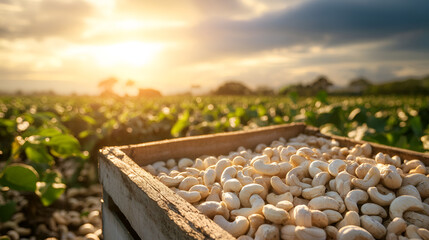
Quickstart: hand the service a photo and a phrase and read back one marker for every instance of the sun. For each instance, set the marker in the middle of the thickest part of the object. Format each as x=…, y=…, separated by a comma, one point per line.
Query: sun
x=132, y=53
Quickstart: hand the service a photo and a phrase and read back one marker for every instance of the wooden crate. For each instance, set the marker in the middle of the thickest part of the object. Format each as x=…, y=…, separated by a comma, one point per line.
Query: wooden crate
x=137, y=206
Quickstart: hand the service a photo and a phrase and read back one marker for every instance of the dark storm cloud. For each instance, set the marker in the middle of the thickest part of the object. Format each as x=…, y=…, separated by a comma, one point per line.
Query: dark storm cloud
x=44, y=19
x=326, y=23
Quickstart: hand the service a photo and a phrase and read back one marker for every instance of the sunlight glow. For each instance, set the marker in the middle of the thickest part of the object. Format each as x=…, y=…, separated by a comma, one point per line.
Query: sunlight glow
x=128, y=53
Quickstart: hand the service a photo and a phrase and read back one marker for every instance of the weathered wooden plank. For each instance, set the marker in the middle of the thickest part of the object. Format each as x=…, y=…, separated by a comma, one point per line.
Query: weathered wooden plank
x=152, y=209
x=113, y=228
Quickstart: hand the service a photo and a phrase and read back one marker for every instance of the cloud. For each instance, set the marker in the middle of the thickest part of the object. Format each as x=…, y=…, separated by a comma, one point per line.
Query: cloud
x=326, y=23
x=41, y=19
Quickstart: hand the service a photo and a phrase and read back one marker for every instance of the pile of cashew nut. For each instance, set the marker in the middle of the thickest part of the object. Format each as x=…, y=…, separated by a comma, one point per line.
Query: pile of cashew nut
x=305, y=188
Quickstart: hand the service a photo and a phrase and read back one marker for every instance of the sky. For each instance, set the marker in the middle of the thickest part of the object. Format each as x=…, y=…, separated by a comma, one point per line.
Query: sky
x=70, y=45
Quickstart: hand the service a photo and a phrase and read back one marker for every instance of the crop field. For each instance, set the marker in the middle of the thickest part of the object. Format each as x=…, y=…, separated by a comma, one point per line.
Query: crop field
x=49, y=143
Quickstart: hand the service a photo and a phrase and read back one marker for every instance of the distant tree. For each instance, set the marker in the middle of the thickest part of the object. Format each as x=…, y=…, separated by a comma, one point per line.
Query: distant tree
x=321, y=83
x=264, y=90
x=106, y=86
x=360, y=81
x=232, y=88
x=149, y=93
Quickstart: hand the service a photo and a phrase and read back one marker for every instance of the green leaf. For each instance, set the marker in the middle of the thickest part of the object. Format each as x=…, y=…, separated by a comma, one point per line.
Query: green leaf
x=19, y=177
x=39, y=154
x=7, y=210
x=89, y=119
x=49, y=192
x=181, y=124
x=50, y=188
x=64, y=146
x=49, y=132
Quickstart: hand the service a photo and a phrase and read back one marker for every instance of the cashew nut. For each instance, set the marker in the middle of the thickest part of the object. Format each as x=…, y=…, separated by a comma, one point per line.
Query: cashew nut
x=375, y=228
x=236, y=228
x=353, y=198
x=275, y=214
x=402, y=204
x=351, y=232
x=256, y=202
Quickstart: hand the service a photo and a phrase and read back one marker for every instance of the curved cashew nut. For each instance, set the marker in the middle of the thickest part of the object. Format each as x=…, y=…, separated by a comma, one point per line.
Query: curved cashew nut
x=390, y=177
x=286, y=152
x=379, y=198
x=248, y=191
x=275, y=214
x=302, y=216
x=343, y=183
x=321, y=179
x=310, y=193
x=336, y=196
x=239, y=160
x=273, y=198
x=297, y=160
x=285, y=167
x=353, y=198
x=362, y=170
x=209, y=161
x=267, y=231
x=414, y=166
x=244, y=180
x=336, y=166
x=414, y=179
x=262, y=165
x=397, y=226
x=231, y=200
x=265, y=182
x=187, y=183
x=319, y=218
x=286, y=205
x=317, y=167
x=418, y=219
x=288, y=232
x=198, y=164
x=294, y=177
x=310, y=233
x=255, y=221
x=236, y=228
x=171, y=181
x=227, y=174
x=209, y=177
x=350, y=218
x=351, y=232
x=212, y=208
x=333, y=216
x=402, y=204
x=423, y=189
x=278, y=185
x=203, y=190
x=409, y=190
x=171, y=163
x=220, y=167
x=371, y=179
x=257, y=203
x=375, y=228
x=323, y=203
x=184, y=163
x=190, y=196
x=373, y=209
x=232, y=185
x=411, y=232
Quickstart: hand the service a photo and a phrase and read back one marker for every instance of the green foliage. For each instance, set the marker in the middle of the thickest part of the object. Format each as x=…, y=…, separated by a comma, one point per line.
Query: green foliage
x=19, y=177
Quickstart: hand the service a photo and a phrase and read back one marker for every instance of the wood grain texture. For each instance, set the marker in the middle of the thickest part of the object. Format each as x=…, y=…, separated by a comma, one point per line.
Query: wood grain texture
x=152, y=209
